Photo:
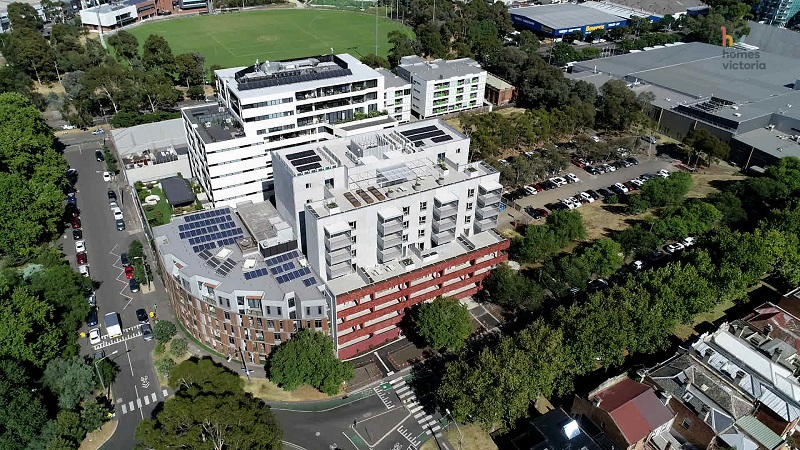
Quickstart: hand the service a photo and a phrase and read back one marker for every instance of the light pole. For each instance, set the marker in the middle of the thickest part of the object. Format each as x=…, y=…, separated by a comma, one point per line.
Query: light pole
x=144, y=267
x=460, y=436
x=99, y=375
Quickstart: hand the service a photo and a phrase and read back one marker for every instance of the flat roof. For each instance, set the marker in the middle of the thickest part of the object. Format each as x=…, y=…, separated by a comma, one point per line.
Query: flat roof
x=178, y=191
x=150, y=136
x=390, y=80
x=620, y=10
x=659, y=7
x=209, y=244
x=497, y=83
x=432, y=70
x=771, y=142
x=565, y=15
x=415, y=260
x=212, y=124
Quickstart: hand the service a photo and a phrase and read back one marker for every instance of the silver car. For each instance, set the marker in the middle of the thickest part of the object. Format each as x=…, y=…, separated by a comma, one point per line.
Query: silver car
x=147, y=331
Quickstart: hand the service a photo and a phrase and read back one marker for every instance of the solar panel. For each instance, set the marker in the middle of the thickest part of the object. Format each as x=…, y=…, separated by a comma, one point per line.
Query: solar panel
x=297, y=155
x=312, y=166
x=247, y=275
x=428, y=135
x=408, y=133
x=205, y=254
x=444, y=138
x=304, y=161
x=310, y=281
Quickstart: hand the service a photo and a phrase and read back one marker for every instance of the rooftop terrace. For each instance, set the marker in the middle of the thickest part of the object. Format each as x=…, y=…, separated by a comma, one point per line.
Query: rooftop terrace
x=214, y=123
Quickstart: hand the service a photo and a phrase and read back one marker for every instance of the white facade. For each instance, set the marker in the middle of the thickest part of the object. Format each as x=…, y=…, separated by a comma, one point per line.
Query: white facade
x=109, y=16
x=270, y=106
x=397, y=96
x=443, y=87
x=375, y=196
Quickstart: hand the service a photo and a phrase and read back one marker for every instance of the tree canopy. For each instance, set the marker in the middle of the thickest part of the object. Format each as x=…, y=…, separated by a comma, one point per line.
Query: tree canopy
x=308, y=358
x=443, y=323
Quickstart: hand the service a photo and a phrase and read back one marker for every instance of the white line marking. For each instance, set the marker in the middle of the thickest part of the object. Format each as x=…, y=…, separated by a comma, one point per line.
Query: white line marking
x=124, y=410
x=139, y=403
x=153, y=396
x=130, y=406
x=146, y=400
x=396, y=380
x=166, y=393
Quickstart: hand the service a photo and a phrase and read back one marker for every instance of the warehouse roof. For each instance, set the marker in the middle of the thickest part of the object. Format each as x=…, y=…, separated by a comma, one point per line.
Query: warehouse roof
x=565, y=15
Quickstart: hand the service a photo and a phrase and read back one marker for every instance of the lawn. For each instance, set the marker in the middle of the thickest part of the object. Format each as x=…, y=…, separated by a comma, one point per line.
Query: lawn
x=239, y=39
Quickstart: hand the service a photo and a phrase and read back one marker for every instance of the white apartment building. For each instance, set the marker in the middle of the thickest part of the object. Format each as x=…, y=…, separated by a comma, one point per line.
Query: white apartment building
x=443, y=87
x=273, y=105
x=397, y=96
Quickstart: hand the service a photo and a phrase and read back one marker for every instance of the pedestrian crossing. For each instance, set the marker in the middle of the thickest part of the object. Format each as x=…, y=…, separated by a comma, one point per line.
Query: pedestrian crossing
x=127, y=334
x=409, y=399
x=385, y=397
x=133, y=405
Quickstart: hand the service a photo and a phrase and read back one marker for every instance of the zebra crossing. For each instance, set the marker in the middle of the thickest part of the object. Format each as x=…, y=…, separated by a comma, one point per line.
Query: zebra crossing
x=132, y=405
x=409, y=399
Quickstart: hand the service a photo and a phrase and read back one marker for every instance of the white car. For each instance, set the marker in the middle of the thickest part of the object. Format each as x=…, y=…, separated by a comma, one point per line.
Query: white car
x=621, y=187
x=609, y=168
x=531, y=190
x=106, y=176
x=637, y=182
x=80, y=246
x=638, y=264
x=94, y=336
x=672, y=248
x=558, y=181
x=67, y=126
x=577, y=203
x=688, y=241
x=568, y=203
x=117, y=213
x=595, y=138
x=587, y=197
x=572, y=178
x=663, y=173
x=84, y=270
x=98, y=131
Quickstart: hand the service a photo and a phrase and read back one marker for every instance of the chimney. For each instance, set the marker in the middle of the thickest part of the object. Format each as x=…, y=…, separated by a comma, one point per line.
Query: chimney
x=776, y=354
x=740, y=374
x=768, y=329
x=707, y=355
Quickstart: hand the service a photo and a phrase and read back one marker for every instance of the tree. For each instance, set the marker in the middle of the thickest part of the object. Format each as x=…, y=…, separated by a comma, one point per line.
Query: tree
x=443, y=323
x=402, y=46
x=190, y=68
x=135, y=250
x=108, y=373
x=125, y=44
x=617, y=106
x=12, y=79
x=164, y=330
x=157, y=54
x=23, y=16
x=528, y=42
x=603, y=257
x=196, y=419
x=562, y=53
x=637, y=241
x=165, y=366
x=28, y=329
x=196, y=92
x=660, y=192
x=637, y=205
x=29, y=51
x=159, y=93
x=375, y=61
x=568, y=226
x=72, y=380
x=93, y=415
x=178, y=347
x=23, y=414
x=206, y=375
x=701, y=142
x=308, y=358
x=508, y=288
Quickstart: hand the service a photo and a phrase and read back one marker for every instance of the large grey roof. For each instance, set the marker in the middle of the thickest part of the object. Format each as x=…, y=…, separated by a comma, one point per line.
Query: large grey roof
x=390, y=80
x=150, y=136
x=660, y=7
x=565, y=15
x=439, y=68
x=772, y=142
x=774, y=39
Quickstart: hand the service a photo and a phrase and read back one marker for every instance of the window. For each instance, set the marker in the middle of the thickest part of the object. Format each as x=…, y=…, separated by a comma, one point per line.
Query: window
x=270, y=324
x=227, y=315
x=352, y=225
x=687, y=422
x=405, y=224
x=308, y=310
x=406, y=210
x=469, y=206
x=269, y=310
x=317, y=324
x=405, y=238
x=458, y=150
x=470, y=193
x=319, y=310
x=308, y=185
x=277, y=337
x=421, y=233
x=280, y=311
x=329, y=183
x=465, y=232
x=423, y=206
x=353, y=239
x=353, y=253
x=423, y=219
x=468, y=219
x=230, y=339
x=291, y=302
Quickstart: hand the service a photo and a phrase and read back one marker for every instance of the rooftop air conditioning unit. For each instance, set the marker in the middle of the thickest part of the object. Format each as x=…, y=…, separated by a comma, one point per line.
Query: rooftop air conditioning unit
x=221, y=109
x=737, y=114
x=208, y=124
x=770, y=127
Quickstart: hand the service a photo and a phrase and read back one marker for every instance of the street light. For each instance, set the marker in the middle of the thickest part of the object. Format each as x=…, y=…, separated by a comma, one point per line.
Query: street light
x=460, y=436
x=99, y=375
x=144, y=267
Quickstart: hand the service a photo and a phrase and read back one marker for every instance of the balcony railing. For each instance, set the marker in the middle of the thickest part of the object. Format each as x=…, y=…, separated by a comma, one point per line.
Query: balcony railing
x=337, y=270
x=337, y=242
x=390, y=240
x=444, y=224
x=486, y=224
x=444, y=211
x=389, y=254
x=338, y=256
x=487, y=212
x=444, y=237
x=489, y=199
x=390, y=227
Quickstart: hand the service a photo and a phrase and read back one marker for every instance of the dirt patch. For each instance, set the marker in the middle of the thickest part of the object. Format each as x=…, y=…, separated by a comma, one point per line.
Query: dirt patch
x=599, y=221
x=455, y=123
x=473, y=437
x=45, y=89
x=707, y=183
x=97, y=438
x=267, y=390
x=364, y=375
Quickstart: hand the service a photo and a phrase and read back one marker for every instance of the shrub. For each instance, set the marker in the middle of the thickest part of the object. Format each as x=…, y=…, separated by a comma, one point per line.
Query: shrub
x=164, y=366
x=178, y=347
x=164, y=331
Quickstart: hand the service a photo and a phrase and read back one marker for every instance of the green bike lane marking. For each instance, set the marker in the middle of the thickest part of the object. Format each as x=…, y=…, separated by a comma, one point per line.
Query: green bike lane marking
x=322, y=405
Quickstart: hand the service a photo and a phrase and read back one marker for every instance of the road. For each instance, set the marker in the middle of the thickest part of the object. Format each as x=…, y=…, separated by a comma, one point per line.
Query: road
x=135, y=391
x=387, y=417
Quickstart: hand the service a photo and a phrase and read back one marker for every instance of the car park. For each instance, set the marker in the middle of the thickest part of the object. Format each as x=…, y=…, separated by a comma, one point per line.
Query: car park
x=98, y=155
x=123, y=259
x=530, y=190
x=81, y=258
x=141, y=315
x=76, y=223
x=637, y=182
x=77, y=234
x=621, y=187
x=106, y=176
x=120, y=225
x=133, y=285
x=568, y=203
x=129, y=272
x=84, y=270
x=147, y=331
x=674, y=247
x=80, y=246
x=663, y=173
x=94, y=336
x=571, y=178
x=605, y=192
x=91, y=319
x=586, y=196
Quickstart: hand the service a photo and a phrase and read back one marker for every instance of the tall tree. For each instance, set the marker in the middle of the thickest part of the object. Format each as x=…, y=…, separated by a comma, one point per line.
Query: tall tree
x=510, y=289
x=443, y=323
x=189, y=67
x=157, y=54
x=308, y=358
x=23, y=413
x=125, y=44
x=23, y=16
x=27, y=327
x=617, y=106
x=72, y=380
x=375, y=61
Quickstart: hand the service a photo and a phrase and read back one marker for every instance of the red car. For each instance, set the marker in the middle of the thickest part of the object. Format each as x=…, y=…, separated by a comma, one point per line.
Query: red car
x=537, y=187
x=82, y=258
x=76, y=223
x=129, y=272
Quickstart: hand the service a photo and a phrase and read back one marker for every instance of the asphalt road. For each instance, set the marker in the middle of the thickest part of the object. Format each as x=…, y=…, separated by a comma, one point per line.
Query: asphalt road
x=135, y=391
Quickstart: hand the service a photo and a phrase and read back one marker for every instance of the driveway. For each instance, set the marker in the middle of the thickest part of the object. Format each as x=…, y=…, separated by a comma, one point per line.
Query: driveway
x=136, y=391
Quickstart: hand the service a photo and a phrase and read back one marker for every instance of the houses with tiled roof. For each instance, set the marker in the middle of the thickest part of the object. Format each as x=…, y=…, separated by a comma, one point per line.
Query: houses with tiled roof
x=630, y=413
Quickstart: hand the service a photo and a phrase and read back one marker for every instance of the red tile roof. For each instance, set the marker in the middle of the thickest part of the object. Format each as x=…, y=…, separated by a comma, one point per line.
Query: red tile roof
x=634, y=407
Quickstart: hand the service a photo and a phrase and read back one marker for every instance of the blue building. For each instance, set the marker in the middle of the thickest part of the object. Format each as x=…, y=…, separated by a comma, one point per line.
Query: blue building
x=556, y=20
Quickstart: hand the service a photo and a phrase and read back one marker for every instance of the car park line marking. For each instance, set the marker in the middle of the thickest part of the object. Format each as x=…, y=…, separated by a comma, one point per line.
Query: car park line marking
x=153, y=395
x=139, y=403
x=130, y=406
x=165, y=392
x=146, y=400
x=124, y=409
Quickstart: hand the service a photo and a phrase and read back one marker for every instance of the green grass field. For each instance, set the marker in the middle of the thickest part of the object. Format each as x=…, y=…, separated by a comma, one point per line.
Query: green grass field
x=238, y=39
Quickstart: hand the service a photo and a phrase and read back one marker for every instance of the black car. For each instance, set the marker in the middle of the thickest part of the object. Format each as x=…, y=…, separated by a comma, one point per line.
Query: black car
x=547, y=185
x=91, y=319
x=633, y=161
x=120, y=224
x=596, y=285
x=605, y=192
x=134, y=285
x=616, y=189
x=141, y=315
x=112, y=195
x=591, y=170
x=77, y=235
x=98, y=155
x=147, y=331
x=594, y=194
x=657, y=255
x=123, y=258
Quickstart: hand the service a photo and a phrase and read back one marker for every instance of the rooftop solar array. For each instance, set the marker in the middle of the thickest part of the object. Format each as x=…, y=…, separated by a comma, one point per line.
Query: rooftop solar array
x=431, y=132
x=255, y=274
x=414, y=131
x=376, y=193
x=352, y=199
x=363, y=194
x=209, y=229
x=305, y=160
x=282, y=268
x=285, y=79
x=301, y=272
x=440, y=139
x=280, y=259
x=310, y=281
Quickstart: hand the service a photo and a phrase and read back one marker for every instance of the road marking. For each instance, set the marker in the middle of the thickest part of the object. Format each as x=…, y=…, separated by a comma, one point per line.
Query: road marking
x=403, y=389
x=124, y=409
x=165, y=392
x=295, y=445
x=146, y=400
x=139, y=403
x=397, y=380
x=155, y=399
x=130, y=406
x=419, y=414
x=388, y=372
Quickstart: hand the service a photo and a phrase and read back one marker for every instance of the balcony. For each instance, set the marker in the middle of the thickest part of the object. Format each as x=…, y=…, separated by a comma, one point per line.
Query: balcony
x=487, y=212
x=337, y=242
x=390, y=240
x=485, y=224
x=443, y=237
x=337, y=270
x=337, y=256
x=389, y=254
x=390, y=227
x=444, y=211
x=489, y=199
x=448, y=223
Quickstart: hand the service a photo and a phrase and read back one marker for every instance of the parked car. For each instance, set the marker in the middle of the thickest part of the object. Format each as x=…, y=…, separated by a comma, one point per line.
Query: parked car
x=91, y=319
x=537, y=187
x=591, y=170
x=571, y=178
x=594, y=194
x=558, y=181
x=638, y=265
x=630, y=186
x=141, y=315
x=67, y=126
x=675, y=247
x=547, y=185
x=133, y=285
x=656, y=255
x=84, y=270
x=80, y=246
x=120, y=224
x=81, y=258
x=663, y=173
x=117, y=213
x=129, y=272
x=596, y=285
x=530, y=190
x=586, y=196
x=94, y=336
x=568, y=203
x=72, y=198
x=605, y=192
x=637, y=182
x=123, y=259
x=687, y=241
x=76, y=223
x=648, y=176
x=98, y=155
x=147, y=331
x=633, y=161
x=621, y=187
x=112, y=195
x=106, y=176
x=98, y=131
x=77, y=234
x=650, y=139
x=91, y=299
x=595, y=138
